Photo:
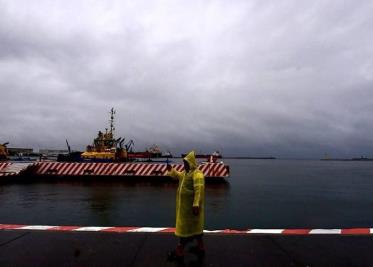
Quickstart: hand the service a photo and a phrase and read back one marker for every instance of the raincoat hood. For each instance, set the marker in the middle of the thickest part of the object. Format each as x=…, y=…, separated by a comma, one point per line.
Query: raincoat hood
x=191, y=159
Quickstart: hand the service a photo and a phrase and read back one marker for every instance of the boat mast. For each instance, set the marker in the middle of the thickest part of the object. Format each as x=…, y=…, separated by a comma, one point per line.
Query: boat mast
x=112, y=128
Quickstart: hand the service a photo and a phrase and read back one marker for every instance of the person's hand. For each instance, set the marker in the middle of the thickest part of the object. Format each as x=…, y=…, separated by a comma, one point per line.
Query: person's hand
x=195, y=210
x=169, y=167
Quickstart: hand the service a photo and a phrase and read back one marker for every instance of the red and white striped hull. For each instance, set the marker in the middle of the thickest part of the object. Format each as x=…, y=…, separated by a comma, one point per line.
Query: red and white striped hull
x=3, y=167
x=75, y=169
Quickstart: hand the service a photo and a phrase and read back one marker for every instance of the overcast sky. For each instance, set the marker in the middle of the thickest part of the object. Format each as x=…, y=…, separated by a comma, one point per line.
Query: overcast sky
x=282, y=78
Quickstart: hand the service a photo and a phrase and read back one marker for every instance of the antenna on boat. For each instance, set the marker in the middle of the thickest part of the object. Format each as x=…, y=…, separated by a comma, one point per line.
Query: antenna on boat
x=112, y=113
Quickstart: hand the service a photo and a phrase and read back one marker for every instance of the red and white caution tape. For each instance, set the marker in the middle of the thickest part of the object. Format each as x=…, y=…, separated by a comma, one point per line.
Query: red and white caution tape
x=349, y=231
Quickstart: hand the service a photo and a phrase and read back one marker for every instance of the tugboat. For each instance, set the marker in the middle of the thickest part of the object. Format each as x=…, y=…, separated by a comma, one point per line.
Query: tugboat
x=105, y=147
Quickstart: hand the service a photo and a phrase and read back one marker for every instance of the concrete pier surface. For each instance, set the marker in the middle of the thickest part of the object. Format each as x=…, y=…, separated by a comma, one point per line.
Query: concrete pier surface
x=41, y=248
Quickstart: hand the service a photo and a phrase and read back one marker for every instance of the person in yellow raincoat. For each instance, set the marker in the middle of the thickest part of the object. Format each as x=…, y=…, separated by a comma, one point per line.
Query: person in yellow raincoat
x=190, y=198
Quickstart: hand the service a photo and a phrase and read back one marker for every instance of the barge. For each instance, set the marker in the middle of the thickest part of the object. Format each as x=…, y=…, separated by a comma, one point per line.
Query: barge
x=106, y=158
x=101, y=171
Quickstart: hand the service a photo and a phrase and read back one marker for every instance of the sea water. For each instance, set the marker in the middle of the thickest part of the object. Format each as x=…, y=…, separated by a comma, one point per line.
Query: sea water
x=259, y=194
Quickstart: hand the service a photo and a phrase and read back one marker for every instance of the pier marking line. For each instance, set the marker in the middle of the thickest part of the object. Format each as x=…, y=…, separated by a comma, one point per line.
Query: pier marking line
x=35, y=227
x=326, y=231
x=133, y=229
x=91, y=229
x=148, y=229
x=265, y=231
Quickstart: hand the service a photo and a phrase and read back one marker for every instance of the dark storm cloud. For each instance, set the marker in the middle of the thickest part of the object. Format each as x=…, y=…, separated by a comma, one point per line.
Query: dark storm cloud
x=289, y=78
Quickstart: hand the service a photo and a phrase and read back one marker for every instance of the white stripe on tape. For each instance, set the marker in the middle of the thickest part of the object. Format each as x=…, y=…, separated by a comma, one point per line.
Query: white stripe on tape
x=35, y=227
x=91, y=228
x=148, y=229
x=325, y=231
x=265, y=231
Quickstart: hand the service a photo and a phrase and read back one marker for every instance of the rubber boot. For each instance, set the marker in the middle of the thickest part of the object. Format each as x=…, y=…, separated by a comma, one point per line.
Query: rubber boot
x=177, y=254
x=199, y=249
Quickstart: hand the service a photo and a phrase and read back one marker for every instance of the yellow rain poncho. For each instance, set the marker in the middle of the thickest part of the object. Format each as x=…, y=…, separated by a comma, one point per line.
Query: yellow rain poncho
x=190, y=193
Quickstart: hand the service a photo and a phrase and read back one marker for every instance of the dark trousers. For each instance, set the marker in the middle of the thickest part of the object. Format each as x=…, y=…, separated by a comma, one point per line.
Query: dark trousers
x=185, y=240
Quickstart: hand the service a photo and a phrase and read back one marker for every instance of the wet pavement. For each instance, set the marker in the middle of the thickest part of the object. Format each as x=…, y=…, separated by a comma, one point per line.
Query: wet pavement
x=38, y=248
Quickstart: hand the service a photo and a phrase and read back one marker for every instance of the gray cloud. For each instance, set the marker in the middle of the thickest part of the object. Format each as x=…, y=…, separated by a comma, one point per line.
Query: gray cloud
x=289, y=78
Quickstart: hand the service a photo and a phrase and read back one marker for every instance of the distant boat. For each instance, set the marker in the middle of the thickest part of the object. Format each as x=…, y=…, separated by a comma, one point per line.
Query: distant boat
x=362, y=158
x=215, y=154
